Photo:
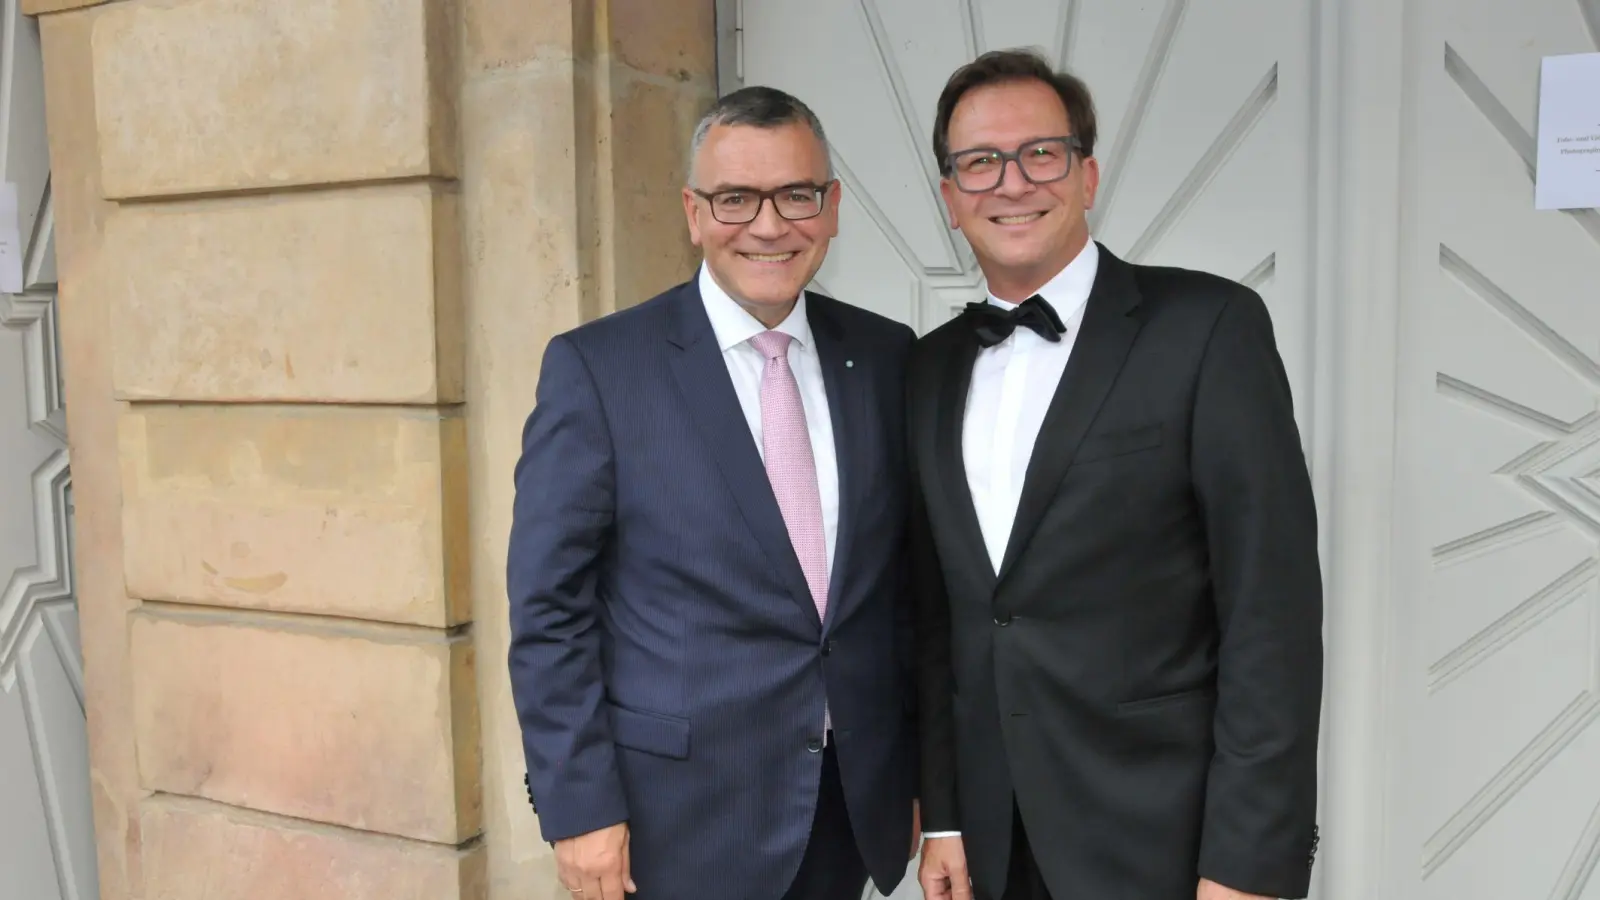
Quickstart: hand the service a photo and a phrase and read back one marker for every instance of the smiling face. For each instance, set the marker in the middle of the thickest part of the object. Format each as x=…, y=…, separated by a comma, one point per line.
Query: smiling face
x=1022, y=233
x=763, y=264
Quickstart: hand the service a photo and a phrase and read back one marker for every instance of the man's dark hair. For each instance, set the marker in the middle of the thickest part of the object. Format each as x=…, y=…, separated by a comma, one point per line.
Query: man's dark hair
x=760, y=107
x=1005, y=66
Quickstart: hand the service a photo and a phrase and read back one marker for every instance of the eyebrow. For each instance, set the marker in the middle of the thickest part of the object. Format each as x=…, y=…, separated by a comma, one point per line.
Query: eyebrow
x=1022, y=143
x=720, y=187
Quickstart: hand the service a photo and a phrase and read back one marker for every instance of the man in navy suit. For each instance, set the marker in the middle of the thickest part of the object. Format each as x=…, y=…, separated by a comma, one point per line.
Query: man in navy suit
x=711, y=636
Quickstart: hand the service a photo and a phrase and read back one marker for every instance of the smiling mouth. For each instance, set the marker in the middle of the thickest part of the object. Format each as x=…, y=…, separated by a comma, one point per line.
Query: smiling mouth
x=1017, y=220
x=769, y=257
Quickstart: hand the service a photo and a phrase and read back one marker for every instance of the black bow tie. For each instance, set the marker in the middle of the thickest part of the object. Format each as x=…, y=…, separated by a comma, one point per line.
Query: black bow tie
x=993, y=324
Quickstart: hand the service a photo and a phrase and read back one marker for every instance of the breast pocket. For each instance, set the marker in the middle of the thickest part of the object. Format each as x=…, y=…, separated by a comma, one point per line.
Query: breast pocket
x=1121, y=442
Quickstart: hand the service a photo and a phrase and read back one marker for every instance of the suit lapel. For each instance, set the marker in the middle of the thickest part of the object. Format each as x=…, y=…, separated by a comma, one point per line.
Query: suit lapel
x=949, y=418
x=708, y=393
x=1107, y=333
x=847, y=412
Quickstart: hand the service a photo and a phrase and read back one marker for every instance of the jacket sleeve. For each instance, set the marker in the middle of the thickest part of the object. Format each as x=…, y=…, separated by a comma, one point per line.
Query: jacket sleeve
x=561, y=520
x=1256, y=503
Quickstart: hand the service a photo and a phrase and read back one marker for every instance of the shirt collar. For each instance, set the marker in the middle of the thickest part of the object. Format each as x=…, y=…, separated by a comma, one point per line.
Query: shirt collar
x=734, y=325
x=1069, y=290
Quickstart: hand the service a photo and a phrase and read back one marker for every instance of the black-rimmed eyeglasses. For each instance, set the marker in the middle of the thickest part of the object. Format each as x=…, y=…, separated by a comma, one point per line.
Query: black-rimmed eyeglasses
x=1040, y=161
x=740, y=206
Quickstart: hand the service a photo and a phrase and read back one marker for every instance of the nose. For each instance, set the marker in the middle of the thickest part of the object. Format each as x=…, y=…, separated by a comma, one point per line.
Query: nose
x=767, y=224
x=1013, y=184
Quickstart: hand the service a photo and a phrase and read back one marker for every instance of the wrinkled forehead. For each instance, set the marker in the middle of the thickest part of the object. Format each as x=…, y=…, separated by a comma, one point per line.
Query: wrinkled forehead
x=1007, y=114
x=760, y=157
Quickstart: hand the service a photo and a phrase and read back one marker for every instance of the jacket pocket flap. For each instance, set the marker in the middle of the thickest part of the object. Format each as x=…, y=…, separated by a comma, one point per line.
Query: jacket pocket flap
x=1117, y=443
x=650, y=732
x=1147, y=704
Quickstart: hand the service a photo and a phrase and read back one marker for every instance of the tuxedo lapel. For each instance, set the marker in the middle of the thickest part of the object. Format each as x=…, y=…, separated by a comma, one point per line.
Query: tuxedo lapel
x=708, y=393
x=848, y=414
x=1106, y=335
x=949, y=419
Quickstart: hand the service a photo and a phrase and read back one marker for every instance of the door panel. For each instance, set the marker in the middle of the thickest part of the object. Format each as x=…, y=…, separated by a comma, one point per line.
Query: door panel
x=1496, y=785
x=1205, y=140
x=47, y=848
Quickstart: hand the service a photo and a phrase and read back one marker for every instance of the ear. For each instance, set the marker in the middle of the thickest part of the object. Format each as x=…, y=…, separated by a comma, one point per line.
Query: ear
x=834, y=198
x=1091, y=181
x=948, y=191
x=689, y=213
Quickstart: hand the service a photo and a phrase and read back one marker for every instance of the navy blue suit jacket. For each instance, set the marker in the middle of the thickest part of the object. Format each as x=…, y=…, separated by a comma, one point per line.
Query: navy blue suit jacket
x=667, y=662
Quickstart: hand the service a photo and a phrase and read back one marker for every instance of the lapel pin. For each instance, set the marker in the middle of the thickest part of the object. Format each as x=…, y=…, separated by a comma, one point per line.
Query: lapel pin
x=849, y=364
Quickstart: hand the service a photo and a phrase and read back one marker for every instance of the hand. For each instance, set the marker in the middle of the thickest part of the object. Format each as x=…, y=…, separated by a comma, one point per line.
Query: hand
x=594, y=866
x=943, y=873
x=916, y=827
x=1210, y=890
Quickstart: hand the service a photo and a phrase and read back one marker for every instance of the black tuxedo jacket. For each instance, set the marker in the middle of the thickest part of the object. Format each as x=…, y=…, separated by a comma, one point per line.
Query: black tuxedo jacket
x=1144, y=673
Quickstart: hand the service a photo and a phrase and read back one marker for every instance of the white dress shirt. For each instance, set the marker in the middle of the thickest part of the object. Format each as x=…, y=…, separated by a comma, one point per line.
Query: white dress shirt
x=734, y=326
x=1013, y=383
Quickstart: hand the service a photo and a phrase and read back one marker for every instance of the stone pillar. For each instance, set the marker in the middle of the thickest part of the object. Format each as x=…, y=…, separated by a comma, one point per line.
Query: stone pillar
x=576, y=117
x=309, y=256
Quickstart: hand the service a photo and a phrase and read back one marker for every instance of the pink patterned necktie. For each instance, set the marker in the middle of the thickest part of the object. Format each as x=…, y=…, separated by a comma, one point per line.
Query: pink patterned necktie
x=786, y=448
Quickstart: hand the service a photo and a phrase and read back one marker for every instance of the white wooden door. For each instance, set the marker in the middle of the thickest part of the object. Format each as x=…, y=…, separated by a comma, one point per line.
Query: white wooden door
x=47, y=849
x=1496, y=788
x=1205, y=135
x=1365, y=164
x=1206, y=140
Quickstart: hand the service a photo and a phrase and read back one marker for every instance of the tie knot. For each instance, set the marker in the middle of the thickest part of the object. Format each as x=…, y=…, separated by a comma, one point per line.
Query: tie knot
x=772, y=344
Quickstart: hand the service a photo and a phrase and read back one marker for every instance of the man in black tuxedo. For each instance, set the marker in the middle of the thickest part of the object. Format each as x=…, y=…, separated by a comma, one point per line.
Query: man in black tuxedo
x=1114, y=546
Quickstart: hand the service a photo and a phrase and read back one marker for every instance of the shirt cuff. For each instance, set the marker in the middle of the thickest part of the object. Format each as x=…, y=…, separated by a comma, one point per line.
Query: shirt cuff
x=940, y=834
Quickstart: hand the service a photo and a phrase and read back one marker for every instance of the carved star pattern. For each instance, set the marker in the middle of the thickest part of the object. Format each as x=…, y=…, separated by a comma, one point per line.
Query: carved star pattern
x=1561, y=471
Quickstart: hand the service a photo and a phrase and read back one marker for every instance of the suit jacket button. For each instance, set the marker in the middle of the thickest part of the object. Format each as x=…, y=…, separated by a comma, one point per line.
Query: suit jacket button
x=827, y=648
x=1002, y=621
x=814, y=745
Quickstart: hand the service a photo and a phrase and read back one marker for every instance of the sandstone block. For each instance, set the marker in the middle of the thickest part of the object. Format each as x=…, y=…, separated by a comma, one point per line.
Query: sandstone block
x=653, y=125
x=349, y=296
x=199, y=851
x=41, y=7
x=346, y=512
x=508, y=33
x=217, y=95
x=373, y=728
x=521, y=211
x=671, y=38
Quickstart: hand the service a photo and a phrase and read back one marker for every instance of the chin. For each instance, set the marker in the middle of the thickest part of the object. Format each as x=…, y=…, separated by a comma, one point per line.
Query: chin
x=1018, y=256
x=763, y=292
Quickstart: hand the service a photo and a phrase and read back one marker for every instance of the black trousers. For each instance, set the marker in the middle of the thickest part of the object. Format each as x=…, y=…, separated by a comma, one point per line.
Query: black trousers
x=1023, y=880
x=832, y=868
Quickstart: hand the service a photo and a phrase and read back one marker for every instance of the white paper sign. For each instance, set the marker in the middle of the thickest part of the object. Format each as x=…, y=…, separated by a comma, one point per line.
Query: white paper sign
x=10, y=242
x=1569, y=133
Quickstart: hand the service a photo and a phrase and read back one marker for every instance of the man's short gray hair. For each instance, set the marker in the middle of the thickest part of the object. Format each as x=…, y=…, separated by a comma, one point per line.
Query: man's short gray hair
x=760, y=107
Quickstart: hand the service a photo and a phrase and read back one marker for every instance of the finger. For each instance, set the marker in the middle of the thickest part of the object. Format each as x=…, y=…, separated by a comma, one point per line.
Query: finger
x=610, y=886
x=960, y=885
x=591, y=887
x=627, y=864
